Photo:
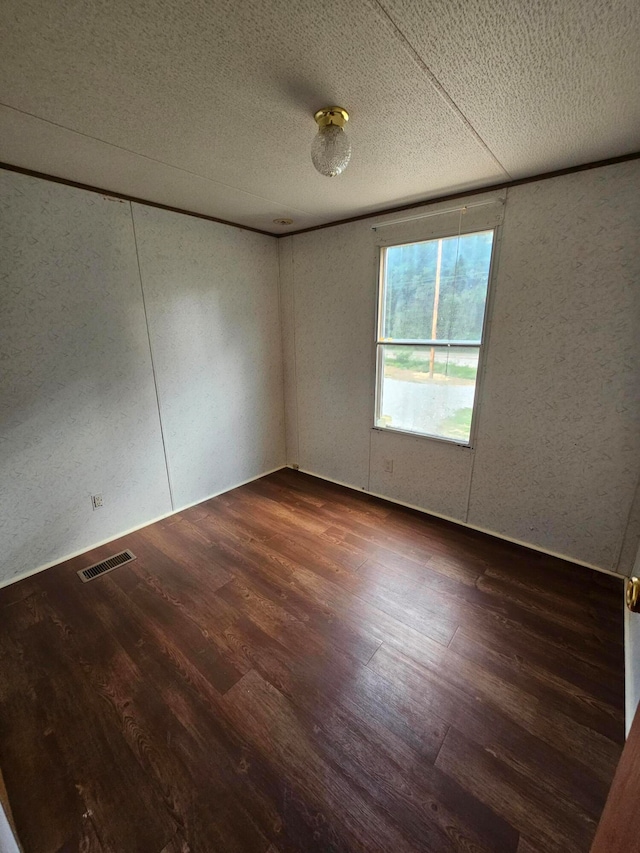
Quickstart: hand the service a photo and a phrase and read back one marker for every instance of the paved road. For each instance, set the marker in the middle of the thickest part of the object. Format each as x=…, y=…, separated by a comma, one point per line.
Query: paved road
x=422, y=406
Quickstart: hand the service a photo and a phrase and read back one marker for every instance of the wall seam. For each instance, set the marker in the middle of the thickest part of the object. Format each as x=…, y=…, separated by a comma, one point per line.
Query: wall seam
x=153, y=367
x=486, y=344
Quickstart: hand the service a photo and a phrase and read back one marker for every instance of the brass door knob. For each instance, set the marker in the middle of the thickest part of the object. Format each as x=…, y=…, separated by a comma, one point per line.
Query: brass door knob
x=633, y=595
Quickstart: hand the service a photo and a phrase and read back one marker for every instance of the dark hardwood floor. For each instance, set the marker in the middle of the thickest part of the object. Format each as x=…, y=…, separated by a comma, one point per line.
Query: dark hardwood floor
x=295, y=667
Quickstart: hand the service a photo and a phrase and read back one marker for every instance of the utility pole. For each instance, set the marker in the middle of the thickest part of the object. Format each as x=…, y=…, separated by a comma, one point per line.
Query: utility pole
x=436, y=300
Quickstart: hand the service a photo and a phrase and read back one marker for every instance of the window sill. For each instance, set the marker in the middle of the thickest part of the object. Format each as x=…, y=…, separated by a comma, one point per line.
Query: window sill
x=450, y=441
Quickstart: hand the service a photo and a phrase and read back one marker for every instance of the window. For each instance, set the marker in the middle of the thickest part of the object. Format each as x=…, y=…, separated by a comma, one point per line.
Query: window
x=430, y=325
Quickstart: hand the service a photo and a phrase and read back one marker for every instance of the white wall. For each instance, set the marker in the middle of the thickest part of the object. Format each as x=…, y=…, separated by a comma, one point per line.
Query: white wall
x=557, y=452
x=632, y=658
x=7, y=841
x=78, y=407
x=556, y=458
x=211, y=293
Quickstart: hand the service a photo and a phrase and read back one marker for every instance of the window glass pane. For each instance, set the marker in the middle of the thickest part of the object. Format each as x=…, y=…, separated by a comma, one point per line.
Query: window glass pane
x=436, y=290
x=428, y=390
x=409, y=288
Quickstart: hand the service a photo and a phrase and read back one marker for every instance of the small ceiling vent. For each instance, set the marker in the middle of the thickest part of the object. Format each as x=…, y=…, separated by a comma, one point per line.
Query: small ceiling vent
x=107, y=565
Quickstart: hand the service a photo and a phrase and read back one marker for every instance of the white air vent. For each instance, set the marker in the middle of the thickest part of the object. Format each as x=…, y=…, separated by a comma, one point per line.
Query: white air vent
x=104, y=566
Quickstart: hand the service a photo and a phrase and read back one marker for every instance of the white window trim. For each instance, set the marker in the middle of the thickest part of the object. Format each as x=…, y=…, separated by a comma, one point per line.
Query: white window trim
x=494, y=225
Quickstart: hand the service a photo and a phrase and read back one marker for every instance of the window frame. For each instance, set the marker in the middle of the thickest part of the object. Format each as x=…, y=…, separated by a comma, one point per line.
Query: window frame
x=379, y=342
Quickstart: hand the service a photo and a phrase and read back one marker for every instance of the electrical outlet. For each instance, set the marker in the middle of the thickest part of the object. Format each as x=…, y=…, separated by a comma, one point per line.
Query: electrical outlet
x=387, y=466
x=96, y=501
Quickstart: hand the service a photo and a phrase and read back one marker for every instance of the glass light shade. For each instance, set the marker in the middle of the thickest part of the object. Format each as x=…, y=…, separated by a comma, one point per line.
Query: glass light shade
x=331, y=150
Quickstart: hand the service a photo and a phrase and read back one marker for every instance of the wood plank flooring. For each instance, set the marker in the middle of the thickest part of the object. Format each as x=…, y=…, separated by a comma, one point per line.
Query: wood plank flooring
x=294, y=667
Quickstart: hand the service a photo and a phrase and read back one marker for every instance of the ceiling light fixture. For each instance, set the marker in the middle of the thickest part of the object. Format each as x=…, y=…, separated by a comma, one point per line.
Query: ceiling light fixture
x=331, y=149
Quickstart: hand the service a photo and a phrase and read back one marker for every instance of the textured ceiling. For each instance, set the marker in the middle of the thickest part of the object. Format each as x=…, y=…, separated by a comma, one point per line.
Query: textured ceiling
x=207, y=104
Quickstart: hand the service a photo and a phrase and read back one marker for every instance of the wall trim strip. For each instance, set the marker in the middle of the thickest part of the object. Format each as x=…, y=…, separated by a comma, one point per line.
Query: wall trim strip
x=23, y=575
x=506, y=185
x=518, y=182
x=8, y=167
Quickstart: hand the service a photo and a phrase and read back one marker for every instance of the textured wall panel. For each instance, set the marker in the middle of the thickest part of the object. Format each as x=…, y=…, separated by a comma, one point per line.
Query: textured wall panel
x=287, y=315
x=559, y=442
x=557, y=451
x=212, y=300
x=432, y=475
x=335, y=297
x=77, y=400
x=335, y=279
x=631, y=542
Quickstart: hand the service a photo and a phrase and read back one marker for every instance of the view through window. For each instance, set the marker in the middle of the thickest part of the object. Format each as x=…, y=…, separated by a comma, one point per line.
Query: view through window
x=432, y=307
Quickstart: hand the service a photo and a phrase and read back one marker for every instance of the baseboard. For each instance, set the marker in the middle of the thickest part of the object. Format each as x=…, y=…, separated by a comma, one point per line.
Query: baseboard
x=57, y=562
x=462, y=523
